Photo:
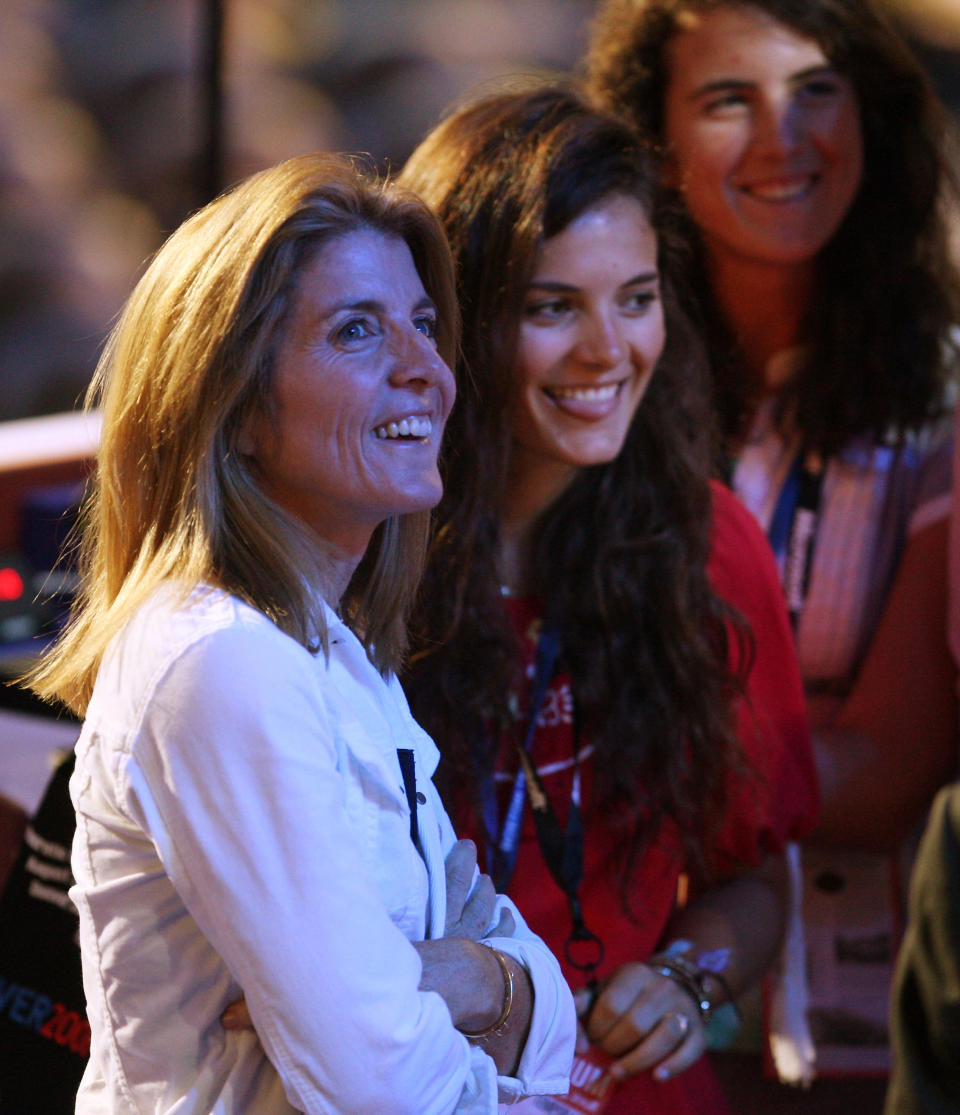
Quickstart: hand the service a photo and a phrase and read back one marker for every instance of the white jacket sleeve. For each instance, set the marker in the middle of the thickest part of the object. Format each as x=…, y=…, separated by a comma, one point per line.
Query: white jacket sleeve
x=545, y=1063
x=234, y=775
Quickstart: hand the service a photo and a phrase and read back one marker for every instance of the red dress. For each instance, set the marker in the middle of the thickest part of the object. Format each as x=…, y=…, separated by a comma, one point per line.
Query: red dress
x=779, y=806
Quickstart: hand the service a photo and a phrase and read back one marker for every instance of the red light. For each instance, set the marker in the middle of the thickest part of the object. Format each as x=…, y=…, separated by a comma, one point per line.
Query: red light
x=11, y=584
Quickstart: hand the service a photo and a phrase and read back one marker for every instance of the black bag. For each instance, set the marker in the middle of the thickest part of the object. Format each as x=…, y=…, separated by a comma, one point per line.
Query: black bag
x=44, y=1033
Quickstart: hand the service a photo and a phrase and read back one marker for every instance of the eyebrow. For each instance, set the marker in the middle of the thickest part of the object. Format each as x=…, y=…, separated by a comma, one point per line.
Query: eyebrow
x=569, y=288
x=372, y=305
x=728, y=84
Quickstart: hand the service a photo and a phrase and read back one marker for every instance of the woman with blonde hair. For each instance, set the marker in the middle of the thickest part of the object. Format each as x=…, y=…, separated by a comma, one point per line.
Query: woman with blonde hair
x=254, y=804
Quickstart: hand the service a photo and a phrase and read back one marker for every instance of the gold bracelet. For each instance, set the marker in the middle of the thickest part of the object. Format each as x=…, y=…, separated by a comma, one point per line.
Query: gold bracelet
x=497, y=1026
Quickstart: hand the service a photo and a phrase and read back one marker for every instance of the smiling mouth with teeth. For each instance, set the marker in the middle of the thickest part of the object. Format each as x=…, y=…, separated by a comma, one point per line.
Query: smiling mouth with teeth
x=585, y=394
x=775, y=192
x=414, y=428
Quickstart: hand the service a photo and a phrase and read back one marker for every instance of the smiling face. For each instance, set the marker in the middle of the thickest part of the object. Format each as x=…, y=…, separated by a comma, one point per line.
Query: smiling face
x=361, y=394
x=590, y=334
x=764, y=136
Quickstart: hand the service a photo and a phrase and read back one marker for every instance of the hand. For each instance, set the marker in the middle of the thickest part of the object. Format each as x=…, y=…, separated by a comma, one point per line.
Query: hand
x=646, y=1021
x=470, y=980
x=465, y=974
x=469, y=911
x=467, y=977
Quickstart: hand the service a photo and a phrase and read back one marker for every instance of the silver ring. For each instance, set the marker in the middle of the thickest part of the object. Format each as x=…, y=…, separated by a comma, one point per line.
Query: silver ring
x=683, y=1021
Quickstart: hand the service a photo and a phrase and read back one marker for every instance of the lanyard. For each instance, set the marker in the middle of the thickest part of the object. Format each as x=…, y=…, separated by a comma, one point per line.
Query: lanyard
x=562, y=850
x=793, y=527
x=503, y=842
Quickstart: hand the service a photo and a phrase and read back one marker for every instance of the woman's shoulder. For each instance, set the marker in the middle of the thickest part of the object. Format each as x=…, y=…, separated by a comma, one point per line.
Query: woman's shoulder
x=742, y=567
x=772, y=724
x=175, y=617
x=735, y=535
x=221, y=638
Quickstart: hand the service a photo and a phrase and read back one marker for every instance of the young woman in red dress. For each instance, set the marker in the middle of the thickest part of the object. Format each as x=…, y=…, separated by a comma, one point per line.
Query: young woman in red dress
x=601, y=645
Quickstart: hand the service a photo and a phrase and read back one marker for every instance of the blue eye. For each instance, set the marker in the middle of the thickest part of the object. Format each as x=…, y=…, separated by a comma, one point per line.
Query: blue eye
x=356, y=329
x=427, y=325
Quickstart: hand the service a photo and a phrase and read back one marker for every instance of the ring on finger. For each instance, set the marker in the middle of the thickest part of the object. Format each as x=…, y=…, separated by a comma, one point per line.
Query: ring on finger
x=682, y=1021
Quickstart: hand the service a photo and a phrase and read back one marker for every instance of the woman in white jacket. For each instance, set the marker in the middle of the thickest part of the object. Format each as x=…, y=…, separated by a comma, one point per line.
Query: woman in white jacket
x=255, y=810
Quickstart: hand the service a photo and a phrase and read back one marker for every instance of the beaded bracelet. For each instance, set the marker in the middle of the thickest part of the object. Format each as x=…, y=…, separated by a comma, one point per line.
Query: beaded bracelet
x=688, y=976
x=497, y=1026
x=730, y=1001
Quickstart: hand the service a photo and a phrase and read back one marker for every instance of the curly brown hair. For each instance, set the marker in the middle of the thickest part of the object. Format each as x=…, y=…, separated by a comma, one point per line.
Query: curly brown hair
x=619, y=559
x=887, y=294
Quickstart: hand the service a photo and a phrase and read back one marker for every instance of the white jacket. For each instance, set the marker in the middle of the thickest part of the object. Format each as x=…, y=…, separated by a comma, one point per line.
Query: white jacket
x=243, y=827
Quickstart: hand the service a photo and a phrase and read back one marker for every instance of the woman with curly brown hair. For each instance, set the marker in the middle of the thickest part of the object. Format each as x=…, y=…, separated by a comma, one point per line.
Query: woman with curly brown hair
x=581, y=639
x=807, y=148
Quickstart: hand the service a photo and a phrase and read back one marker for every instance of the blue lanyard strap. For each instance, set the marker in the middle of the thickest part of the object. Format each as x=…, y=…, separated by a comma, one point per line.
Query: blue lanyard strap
x=562, y=850
x=793, y=527
x=782, y=520
x=503, y=842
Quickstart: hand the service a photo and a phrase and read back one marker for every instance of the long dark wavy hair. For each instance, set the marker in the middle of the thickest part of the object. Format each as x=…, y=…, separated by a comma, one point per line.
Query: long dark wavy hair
x=887, y=293
x=619, y=559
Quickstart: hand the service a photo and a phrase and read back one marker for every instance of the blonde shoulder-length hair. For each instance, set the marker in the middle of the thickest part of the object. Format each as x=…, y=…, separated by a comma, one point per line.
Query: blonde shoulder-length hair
x=191, y=358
